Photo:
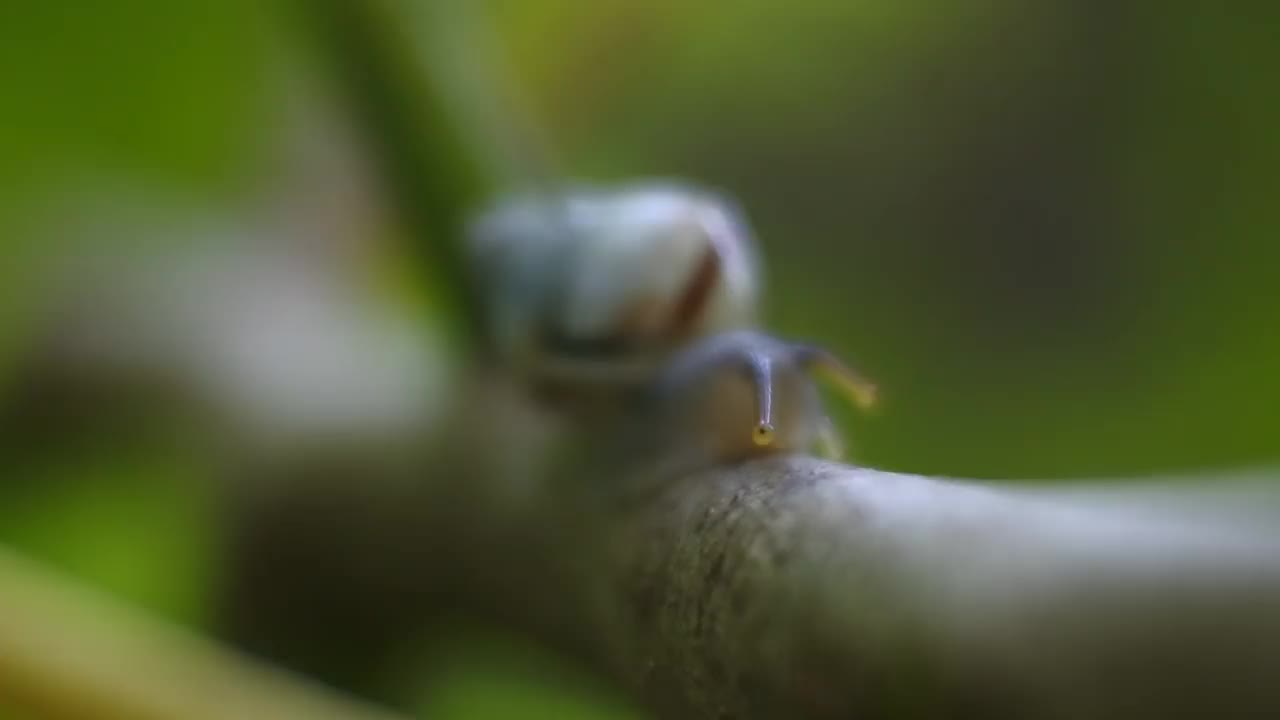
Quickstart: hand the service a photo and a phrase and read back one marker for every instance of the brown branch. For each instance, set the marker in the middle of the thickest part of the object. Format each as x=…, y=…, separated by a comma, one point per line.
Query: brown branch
x=792, y=587
x=796, y=588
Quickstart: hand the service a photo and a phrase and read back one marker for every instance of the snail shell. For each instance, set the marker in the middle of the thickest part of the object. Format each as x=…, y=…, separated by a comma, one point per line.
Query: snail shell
x=596, y=287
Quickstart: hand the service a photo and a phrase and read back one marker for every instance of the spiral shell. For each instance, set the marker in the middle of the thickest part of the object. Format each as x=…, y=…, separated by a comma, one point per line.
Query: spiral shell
x=597, y=286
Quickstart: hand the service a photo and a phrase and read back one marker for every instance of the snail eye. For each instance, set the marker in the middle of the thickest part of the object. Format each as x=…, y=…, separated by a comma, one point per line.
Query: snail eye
x=763, y=435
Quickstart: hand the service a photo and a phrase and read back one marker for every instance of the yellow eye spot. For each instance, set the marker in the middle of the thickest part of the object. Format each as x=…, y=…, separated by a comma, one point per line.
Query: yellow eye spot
x=762, y=436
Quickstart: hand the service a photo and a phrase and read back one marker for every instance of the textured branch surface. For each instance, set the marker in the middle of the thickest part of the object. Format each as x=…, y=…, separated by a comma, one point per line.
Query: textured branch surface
x=792, y=587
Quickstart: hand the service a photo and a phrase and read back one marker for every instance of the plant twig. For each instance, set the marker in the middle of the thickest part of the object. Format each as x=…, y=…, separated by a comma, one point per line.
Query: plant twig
x=792, y=587
x=798, y=588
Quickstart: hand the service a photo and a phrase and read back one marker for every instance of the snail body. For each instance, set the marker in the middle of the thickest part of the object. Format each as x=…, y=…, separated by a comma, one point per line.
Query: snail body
x=738, y=395
x=595, y=288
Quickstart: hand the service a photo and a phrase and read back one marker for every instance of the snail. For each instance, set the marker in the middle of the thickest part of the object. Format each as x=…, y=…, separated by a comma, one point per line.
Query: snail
x=646, y=295
x=594, y=288
x=734, y=396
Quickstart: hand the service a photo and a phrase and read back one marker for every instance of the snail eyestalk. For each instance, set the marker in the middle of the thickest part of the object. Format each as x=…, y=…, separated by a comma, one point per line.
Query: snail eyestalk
x=763, y=433
x=850, y=382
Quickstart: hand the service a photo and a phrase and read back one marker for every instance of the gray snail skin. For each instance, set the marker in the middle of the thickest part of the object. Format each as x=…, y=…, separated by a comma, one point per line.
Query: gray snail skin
x=735, y=396
x=595, y=287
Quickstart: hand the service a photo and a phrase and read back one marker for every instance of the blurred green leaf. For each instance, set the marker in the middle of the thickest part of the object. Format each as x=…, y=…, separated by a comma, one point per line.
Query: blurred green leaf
x=136, y=523
x=476, y=674
x=156, y=89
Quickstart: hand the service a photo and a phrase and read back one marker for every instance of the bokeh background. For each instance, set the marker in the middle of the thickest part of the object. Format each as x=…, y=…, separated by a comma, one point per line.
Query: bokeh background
x=1049, y=230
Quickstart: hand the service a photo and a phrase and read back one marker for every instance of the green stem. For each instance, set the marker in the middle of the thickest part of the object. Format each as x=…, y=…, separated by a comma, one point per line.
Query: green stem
x=434, y=176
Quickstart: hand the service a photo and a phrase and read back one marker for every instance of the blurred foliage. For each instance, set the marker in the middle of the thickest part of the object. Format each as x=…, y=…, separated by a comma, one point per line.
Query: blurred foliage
x=478, y=674
x=1047, y=229
x=161, y=91
x=142, y=91
x=121, y=521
